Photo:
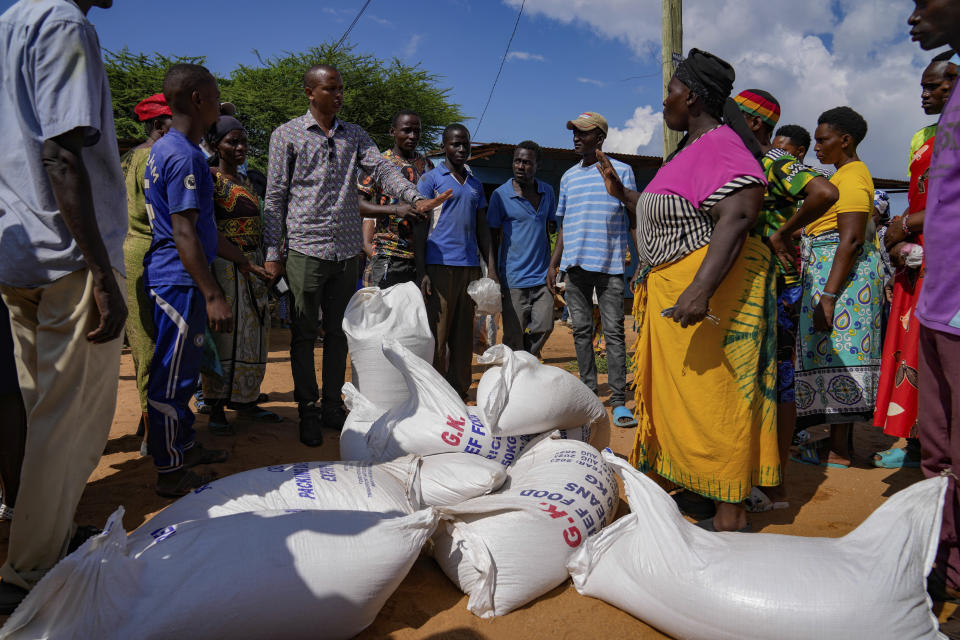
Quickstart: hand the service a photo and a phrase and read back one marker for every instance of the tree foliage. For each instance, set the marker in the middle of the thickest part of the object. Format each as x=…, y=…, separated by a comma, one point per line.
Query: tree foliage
x=133, y=77
x=270, y=93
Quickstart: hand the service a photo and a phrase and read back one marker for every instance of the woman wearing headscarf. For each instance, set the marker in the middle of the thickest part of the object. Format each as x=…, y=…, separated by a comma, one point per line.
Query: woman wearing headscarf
x=705, y=356
x=242, y=352
x=838, y=344
x=156, y=117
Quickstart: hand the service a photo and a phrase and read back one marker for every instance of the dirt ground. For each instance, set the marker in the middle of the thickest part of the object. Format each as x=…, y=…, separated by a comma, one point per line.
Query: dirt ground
x=823, y=502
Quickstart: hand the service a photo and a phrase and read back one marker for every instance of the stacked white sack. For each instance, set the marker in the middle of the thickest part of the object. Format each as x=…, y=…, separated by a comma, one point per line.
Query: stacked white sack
x=391, y=488
x=435, y=420
x=267, y=574
x=445, y=478
x=509, y=548
x=693, y=584
x=397, y=313
x=523, y=396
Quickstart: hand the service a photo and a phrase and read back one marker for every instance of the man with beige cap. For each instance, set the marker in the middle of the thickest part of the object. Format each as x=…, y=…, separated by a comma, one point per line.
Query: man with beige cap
x=591, y=247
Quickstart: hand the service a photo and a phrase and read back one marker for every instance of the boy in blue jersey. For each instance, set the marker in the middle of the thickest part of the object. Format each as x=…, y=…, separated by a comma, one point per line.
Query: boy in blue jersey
x=179, y=195
x=448, y=256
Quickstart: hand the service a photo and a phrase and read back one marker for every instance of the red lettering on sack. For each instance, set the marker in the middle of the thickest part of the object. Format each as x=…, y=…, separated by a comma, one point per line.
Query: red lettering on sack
x=552, y=510
x=450, y=438
x=572, y=536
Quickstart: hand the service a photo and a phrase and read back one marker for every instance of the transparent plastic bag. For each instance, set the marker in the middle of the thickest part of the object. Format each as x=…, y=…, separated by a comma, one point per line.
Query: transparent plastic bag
x=486, y=293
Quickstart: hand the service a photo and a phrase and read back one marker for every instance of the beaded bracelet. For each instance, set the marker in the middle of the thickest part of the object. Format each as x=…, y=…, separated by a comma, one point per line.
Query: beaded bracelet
x=903, y=221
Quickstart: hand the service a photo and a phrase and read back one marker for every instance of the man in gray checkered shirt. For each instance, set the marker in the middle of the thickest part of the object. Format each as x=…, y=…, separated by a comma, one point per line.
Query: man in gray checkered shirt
x=312, y=230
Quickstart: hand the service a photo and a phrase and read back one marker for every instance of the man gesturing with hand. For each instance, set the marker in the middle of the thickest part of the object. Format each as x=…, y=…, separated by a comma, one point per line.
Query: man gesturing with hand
x=312, y=231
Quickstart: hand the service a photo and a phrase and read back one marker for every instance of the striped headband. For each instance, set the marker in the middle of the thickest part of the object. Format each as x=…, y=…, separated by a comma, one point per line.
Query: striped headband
x=753, y=103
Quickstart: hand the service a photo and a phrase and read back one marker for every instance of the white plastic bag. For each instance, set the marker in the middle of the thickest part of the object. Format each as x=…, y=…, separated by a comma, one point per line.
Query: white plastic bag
x=508, y=548
x=523, y=396
x=448, y=479
x=396, y=313
x=435, y=420
x=486, y=294
x=388, y=487
x=251, y=575
x=693, y=584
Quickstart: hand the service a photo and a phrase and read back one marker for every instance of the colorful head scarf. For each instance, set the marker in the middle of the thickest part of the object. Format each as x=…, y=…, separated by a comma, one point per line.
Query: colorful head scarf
x=756, y=102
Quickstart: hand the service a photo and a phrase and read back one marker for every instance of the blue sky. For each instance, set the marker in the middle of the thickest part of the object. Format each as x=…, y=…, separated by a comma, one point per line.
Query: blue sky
x=458, y=40
x=571, y=56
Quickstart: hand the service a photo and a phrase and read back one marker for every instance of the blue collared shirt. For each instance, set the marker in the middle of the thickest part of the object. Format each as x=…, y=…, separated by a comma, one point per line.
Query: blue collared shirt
x=453, y=231
x=53, y=80
x=524, y=247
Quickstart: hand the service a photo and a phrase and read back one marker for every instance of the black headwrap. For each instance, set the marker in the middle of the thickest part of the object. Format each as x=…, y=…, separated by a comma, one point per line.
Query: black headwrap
x=711, y=79
x=225, y=124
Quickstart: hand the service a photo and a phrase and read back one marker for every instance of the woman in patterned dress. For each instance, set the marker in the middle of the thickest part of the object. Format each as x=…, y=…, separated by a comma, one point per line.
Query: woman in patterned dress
x=705, y=356
x=243, y=351
x=838, y=342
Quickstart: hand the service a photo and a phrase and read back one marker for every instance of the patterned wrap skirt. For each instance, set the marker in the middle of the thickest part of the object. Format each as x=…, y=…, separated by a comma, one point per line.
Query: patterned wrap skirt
x=838, y=371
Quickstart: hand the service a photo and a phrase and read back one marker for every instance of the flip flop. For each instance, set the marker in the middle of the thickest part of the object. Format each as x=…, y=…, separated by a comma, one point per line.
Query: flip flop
x=220, y=428
x=707, y=525
x=894, y=458
x=808, y=455
x=623, y=417
x=758, y=502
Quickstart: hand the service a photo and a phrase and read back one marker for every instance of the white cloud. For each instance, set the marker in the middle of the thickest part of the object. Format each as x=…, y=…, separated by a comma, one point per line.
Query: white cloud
x=412, y=45
x=597, y=83
x=525, y=56
x=379, y=20
x=637, y=134
x=811, y=55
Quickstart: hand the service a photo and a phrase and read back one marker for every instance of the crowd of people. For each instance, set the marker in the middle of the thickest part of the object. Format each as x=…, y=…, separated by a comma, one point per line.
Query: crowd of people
x=769, y=297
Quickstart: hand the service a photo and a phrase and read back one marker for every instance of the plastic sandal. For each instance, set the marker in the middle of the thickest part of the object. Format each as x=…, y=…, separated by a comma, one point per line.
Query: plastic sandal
x=623, y=417
x=894, y=458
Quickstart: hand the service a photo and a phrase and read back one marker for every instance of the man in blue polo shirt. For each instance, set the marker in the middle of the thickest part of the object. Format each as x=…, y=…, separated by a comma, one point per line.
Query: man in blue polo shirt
x=448, y=254
x=591, y=248
x=519, y=215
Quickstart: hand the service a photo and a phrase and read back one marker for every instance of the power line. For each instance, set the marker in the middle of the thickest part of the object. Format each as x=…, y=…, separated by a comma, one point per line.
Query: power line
x=502, y=60
x=350, y=28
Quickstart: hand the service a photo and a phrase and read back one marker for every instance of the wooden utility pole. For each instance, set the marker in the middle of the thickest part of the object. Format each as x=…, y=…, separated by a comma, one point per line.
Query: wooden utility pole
x=671, y=47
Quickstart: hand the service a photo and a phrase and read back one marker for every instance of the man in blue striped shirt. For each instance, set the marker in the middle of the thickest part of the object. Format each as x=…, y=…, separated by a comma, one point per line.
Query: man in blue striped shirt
x=591, y=247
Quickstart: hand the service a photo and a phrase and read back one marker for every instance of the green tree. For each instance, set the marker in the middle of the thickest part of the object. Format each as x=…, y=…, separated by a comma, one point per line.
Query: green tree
x=133, y=77
x=269, y=94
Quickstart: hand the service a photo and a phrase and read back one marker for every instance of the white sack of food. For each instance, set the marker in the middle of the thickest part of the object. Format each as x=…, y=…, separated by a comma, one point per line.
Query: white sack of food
x=388, y=487
x=511, y=547
x=694, y=584
x=448, y=479
x=435, y=420
x=269, y=574
x=373, y=315
x=523, y=396
x=363, y=413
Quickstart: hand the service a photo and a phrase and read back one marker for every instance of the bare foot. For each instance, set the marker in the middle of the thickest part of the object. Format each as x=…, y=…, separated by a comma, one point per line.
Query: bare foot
x=730, y=517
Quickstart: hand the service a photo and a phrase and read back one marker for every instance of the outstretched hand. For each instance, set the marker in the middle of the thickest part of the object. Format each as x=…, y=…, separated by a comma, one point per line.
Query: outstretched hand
x=429, y=204
x=250, y=267
x=610, y=178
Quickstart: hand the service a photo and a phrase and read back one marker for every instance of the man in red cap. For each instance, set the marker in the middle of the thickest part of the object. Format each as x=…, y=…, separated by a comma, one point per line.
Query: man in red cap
x=156, y=117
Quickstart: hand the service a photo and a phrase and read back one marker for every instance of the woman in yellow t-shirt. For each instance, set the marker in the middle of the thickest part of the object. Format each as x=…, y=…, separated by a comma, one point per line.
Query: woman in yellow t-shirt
x=839, y=344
